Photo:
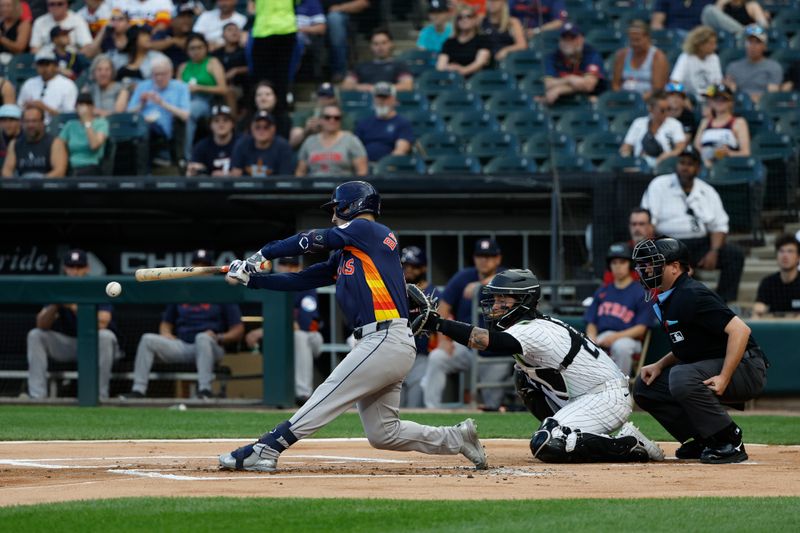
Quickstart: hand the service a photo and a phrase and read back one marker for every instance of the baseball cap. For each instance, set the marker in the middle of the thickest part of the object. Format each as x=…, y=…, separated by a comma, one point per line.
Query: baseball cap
x=383, y=88
x=754, y=30
x=486, y=247
x=619, y=250
x=413, y=255
x=45, y=55
x=570, y=28
x=58, y=30
x=289, y=261
x=263, y=115
x=326, y=89
x=690, y=151
x=720, y=89
x=186, y=8
x=438, y=6
x=10, y=111
x=85, y=98
x=221, y=110
x=675, y=88
x=202, y=257
x=76, y=258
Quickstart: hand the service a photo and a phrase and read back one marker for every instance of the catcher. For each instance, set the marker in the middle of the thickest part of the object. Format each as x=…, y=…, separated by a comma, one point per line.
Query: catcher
x=596, y=400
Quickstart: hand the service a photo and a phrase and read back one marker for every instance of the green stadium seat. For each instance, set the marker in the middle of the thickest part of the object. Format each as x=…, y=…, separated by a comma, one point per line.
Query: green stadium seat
x=432, y=145
x=742, y=102
x=486, y=83
x=666, y=166
x=533, y=84
x=740, y=183
x=522, y=63
x=57, y=122
x=794, y=42
x=789, y=123
x=510, y=165
x=580, y=124
x=589, y=18
x=130, y=135
x=424, y=122
x=418, y=61
x=566, y=104
x=354, y=101
x=786, y=57
x=597, y=147
x=541, y=146
x=399, y=165
x=410, y=101
x=611, y=103
x=665, y=40
x=629, y=15
x=776, y=105
x=525, y=123
x=729, y=55
x=454, y=164
x=448, y=104
x=787, y=21
x=605, y=40
x=19, y=69
x=618, y=163
x=487, y=145
x=503, y=103
x=432, y=83
x=566, y=163
x=779, y=154
x=757, y=122
x=545, y=42
x=467, y=124
x=622, y=122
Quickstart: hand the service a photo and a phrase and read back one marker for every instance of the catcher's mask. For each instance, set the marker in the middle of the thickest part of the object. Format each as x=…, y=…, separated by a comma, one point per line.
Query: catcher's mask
x=524, y=290
x=651, y=256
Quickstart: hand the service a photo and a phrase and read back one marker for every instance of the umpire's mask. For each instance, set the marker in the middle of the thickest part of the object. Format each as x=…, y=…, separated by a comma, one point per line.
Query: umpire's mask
x=650, y=264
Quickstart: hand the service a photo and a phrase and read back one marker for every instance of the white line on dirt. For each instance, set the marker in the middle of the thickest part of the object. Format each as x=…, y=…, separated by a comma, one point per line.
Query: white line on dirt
x=267, y=476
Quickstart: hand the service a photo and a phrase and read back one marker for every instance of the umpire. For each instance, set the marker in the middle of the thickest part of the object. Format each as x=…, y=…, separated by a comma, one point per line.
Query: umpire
x=714, y=359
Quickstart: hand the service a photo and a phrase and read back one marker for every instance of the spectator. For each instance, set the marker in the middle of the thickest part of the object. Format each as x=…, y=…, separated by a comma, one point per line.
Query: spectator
x=698, y=67
x=733, y=15
x=307, y=338
x=85, y=139
x=415, y=269
x=211, y=23
x=539, y=15
x=35, y=153
x=479, y=6
x=97, y=13
x=467, y=51
x=262, y=153
x=337, y=18
x=156, y=14
x=779, y=293
x=51, y=92
x=385, y=132
x=433, y=35
x=691, y=210
x=206, y=79
x=59, y=14
x=274, y=35
x=8, y=92
x=109, y=96
x=677, y=15
x=382, y=67
x=641, y=67
x=640, y=228
x=15, y=32
x=618, y=317
x=158, y=100
x=171, y=40
x=457, y=302
x=10, y=126
x=212, y=155
x=189, y=333
x=325, y=96
x=140, y=58
x=70, y=64
x=722, y=134
x=56, y=332
x=266, y=99
x=655, y=137
x=575, y=68
x=112, y=40
x=504, y=32
x=332, y=152
x=754, y=74
x=680, y=108
x=233, y=58
x=311, y=28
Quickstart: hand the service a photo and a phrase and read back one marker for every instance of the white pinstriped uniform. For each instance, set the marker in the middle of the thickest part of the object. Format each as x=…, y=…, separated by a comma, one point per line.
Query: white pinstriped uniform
x=599, y=399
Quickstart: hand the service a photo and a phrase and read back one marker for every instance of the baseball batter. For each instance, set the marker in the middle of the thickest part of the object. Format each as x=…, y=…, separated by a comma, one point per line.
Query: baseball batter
x=370, y=290
x=599, y=401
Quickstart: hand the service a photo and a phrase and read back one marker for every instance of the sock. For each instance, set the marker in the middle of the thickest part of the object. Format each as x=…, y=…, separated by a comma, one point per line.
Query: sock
x=279, y=438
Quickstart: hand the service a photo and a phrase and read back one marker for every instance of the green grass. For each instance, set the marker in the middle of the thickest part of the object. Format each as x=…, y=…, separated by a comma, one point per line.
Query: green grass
x=70, y=423
x=292, y=515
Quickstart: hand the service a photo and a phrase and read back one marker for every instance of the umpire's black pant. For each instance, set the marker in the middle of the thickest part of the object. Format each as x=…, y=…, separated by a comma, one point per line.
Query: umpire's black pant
x=730, y=264
x=687, y=408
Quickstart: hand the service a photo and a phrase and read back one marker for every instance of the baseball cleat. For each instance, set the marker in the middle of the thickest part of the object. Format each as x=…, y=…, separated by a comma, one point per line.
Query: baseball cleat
x=724, y=454
x=691, y=449
x=472, y=448
x=253, y=457
x=654, y=451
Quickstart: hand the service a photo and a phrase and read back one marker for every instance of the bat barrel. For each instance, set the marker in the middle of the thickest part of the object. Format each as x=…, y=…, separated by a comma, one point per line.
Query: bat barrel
x=163, y=273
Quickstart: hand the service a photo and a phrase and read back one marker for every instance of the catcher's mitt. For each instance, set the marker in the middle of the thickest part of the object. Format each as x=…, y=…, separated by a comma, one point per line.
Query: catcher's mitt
x=421, y=310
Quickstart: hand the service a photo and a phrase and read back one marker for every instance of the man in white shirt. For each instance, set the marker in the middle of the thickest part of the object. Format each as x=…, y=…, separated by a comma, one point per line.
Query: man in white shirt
x=58, y=13
x=691, y=210
x=211, y=23
x=49, y=91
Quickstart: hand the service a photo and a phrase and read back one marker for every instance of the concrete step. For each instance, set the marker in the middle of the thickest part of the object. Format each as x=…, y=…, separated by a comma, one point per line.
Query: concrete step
x=792, y=228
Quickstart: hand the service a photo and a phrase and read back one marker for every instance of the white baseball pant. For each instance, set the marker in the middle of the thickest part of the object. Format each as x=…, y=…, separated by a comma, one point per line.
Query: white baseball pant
x=204, y=352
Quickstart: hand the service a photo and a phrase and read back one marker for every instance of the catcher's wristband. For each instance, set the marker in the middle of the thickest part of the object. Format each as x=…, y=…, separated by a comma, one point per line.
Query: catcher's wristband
x=458, y=331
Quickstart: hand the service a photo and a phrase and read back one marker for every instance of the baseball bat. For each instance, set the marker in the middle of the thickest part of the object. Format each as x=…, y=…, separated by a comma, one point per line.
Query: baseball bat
x=157, y=274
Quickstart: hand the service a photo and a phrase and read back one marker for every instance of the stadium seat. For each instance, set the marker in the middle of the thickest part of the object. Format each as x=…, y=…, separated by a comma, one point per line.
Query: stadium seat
x=589, y=18
x=454, y=164
x=611, y=103
x=757, y=122
x=485, y=83
x=597, y=147
x=503, y=103
x=542, y=146
x=510, y=164
x=794, y=42
x=566, y=104
x=773, y=7
x=450, y=103
x=418, y=61
x=606, y=40
x=630, y=164
x=525, y=123
x=777, y=104
x=410, y=101
x=522, y=63
x=353, y=117
x=617, y=8
x=566, y=163
x=789, y=123
x=424, y=122
x=580, y=124
x=487, y=145
x=729, y=55
x=19, y=69
x=545, y=42
x=787, y=21
x=779, y=154
x=622, y=122
x=776, y=38
x=666, y=166
x=785, y=57
x=629, y=15
x=130, y=134
x=742, y=102
x=532, y=84
x=467, y=124
x=58, y=121
x=665, y=40
x=399, y=165
x=739, y=182
x=432, y=145
x=354, y=101
x=431, y=83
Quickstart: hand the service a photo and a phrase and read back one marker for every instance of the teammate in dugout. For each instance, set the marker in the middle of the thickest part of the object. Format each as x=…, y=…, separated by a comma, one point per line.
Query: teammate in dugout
x=596, y=400
x=371, y=291
x=714, y=359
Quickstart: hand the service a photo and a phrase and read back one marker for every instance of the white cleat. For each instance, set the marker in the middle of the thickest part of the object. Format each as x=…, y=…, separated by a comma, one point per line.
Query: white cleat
x=653, y=450
x=253, y=457
x=472, y=448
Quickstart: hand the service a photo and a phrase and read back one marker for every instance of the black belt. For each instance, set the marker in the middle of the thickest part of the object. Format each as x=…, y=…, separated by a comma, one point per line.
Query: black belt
x=358, y=333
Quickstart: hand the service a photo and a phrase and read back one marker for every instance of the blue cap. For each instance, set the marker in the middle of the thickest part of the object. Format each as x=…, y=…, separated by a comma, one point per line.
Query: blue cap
x=570, y=28
x=76, y=258
x=486, y=247
x=413, y=255
x=10, y=111
x=675, y=88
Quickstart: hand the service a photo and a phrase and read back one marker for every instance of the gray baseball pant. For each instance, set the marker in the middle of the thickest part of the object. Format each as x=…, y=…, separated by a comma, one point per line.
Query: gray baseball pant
x=307, y=347
x=622, y=351
x=412, y=394
x=441, y=363
x=204, y=351
x=44, y=343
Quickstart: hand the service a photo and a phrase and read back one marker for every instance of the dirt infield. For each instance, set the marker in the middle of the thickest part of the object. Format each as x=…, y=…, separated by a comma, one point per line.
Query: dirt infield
x=37, y=472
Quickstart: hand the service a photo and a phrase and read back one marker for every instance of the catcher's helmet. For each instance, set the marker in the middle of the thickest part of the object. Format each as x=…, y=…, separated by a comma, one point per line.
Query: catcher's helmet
x=522, y=285
x=353, y=198
x=650, y=256
x=619, y=250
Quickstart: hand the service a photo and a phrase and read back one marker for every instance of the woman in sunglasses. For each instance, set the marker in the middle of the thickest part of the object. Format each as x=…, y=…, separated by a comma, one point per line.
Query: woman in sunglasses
x=332, y=152
x=721, y=134
x=467, y=51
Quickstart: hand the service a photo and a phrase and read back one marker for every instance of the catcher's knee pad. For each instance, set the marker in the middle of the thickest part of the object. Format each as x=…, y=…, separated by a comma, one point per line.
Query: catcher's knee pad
x=548, y=444
x=554, y=444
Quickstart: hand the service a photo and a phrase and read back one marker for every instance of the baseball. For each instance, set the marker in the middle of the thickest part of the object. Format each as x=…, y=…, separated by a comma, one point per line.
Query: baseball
x=113, y=289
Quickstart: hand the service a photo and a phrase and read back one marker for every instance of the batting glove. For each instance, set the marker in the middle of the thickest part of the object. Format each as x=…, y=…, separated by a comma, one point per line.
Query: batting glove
x=257, y=263
x=237, y=273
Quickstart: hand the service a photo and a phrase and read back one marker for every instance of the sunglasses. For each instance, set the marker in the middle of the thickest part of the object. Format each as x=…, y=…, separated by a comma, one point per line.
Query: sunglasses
x=332, y=117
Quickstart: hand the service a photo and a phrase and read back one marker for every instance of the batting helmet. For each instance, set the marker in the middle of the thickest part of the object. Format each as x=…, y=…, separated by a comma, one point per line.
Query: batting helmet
x=353, y=198
x=522, y=285
x=651, y=256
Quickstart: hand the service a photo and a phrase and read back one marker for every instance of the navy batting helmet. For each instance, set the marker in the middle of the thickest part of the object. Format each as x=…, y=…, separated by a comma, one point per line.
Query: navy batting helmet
x=353, y=198
x=652, y=255
x=522, y=285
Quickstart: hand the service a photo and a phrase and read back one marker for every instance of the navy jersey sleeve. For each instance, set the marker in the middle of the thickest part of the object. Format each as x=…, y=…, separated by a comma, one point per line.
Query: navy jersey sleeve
x=405, y=131
x=316, y=240
x=594, y=64
x=550, y=65
x=318, y=275
x=590, y=315
x=170, y=314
